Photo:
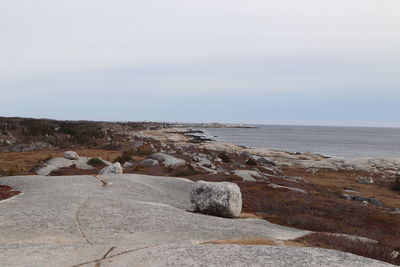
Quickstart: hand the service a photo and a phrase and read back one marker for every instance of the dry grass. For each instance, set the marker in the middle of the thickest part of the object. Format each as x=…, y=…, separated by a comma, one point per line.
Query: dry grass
x=245, y=215
x=366, y=249
x=256, y=241
x=320, y=213
x=346, y=179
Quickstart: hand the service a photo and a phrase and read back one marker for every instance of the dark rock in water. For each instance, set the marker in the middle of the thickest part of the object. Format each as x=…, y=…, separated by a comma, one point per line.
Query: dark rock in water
x=199, y=136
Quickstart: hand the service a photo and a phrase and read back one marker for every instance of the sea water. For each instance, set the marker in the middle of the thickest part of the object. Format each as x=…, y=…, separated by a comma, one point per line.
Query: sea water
x=347, y=142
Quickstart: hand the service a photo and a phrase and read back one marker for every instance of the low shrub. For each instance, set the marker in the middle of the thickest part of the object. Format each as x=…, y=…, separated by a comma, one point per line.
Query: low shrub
x=396, y=184
x=366, y=249
x=49, y=157
x=142, y=151
x=138, y=169
x=315, y=213
x=169, y=169
x=224, y=157
x=124, y=157
x=251, y=162
x=9, y=172
x=180, y=173
x=96, y=162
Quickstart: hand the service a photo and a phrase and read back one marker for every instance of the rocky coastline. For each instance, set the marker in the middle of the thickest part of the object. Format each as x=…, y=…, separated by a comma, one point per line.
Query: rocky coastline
x=303, y=191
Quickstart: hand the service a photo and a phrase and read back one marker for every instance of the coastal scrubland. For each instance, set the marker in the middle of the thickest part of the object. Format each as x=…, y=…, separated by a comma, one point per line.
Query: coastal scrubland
x=321, y=200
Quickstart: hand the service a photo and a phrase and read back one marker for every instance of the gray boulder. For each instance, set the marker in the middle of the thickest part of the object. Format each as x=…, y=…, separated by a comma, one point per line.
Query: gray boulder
x=114, y=168
x=220, y=199
x=71, y=155
x=167, y=160
x=148, y=162
x=127, y=164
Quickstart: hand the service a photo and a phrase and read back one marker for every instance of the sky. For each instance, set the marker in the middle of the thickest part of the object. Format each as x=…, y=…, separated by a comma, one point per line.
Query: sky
x=313, y=62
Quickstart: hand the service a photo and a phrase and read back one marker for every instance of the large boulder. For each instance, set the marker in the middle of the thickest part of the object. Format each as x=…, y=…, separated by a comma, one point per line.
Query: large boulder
x=114, y=168
x=71, y=155
x=220, y=199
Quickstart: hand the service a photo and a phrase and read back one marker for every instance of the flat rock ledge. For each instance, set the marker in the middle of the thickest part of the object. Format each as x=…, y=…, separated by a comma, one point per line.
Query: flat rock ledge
x=128, y=220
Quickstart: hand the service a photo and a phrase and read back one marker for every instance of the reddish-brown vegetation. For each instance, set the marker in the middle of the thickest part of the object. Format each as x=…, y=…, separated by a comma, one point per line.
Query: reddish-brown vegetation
x=366, y=249
x=318, y=213
x=7, y=192
x=22, y=162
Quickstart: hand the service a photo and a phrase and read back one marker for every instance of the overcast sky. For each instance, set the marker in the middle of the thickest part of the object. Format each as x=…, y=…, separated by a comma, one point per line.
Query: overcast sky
x=326, y=62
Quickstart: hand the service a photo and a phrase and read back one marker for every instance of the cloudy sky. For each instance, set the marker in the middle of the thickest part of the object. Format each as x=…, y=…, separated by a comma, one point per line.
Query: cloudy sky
x=326, y=62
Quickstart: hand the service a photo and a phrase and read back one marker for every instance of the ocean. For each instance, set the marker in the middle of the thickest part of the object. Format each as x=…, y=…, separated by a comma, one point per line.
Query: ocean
x=346, y=142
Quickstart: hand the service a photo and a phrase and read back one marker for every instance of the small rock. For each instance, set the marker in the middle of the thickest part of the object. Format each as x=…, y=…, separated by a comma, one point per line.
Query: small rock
x=294, y=179
x=248, y=175
x=365, y=180
x=246, y=154
x=346, y=196
x=369, y=200
x=312, y=170
x=205, y=162
x=298, y=190
x=220, y=199
x=114, y=168
x=217, y=160
x=127, y=164
x=264, y=160
x=351, y=191
x=394, y=254
x=71, y=155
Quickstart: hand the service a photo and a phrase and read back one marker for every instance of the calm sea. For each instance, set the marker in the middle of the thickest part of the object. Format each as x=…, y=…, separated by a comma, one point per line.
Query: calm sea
x=347, y=142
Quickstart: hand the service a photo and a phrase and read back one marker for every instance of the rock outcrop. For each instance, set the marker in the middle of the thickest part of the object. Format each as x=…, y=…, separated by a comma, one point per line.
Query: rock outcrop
x=220, y=199
x=137, y=220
